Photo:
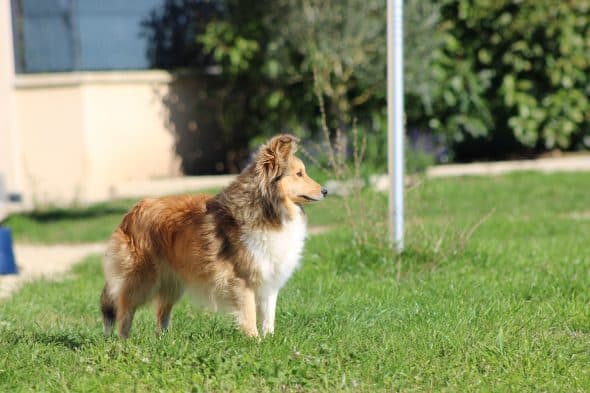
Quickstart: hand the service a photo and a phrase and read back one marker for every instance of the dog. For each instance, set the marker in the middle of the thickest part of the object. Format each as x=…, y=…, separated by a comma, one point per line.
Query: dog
x=235, y=249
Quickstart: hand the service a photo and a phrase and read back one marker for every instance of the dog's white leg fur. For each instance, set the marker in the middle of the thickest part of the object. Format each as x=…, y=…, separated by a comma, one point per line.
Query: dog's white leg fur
x=267, y=303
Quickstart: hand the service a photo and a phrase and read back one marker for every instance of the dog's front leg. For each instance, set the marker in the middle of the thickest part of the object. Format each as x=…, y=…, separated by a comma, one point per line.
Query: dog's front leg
x=244, y=304
x=266, y=302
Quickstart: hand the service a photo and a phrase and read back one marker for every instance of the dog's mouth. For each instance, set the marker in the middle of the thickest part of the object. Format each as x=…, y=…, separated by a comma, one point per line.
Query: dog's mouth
x=309, y=199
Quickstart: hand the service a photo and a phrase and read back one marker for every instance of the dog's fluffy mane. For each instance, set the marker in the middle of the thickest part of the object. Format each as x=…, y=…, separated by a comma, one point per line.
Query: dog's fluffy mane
x=254, y=199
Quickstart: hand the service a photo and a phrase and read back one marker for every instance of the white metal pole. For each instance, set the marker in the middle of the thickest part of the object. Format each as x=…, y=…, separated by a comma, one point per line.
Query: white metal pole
x=395, y=120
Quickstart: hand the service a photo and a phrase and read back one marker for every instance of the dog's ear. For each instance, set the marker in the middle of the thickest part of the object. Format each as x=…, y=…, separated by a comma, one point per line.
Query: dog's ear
x=273, y=156
x=282, y=146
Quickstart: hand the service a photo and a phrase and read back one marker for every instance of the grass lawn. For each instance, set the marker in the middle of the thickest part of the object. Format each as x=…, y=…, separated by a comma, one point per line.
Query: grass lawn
x=74, y=225
x=493, y=295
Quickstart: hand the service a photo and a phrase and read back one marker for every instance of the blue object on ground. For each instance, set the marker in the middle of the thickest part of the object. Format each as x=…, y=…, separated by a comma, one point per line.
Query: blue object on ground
x=7, y=264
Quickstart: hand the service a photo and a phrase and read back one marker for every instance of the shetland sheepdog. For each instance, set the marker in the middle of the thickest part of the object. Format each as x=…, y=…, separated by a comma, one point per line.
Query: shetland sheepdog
x=236, y=249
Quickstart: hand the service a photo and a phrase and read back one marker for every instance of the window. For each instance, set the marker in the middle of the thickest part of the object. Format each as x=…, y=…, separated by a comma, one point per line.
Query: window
x=43, y=35
x=87, y=35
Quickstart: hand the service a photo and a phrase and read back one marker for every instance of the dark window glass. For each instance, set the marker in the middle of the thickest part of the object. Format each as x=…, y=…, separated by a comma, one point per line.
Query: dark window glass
x=43, y=35
x=110, y=33
x=71, y=35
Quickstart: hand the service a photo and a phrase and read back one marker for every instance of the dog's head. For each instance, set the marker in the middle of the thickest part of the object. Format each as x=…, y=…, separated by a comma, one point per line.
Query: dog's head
x=280, y=170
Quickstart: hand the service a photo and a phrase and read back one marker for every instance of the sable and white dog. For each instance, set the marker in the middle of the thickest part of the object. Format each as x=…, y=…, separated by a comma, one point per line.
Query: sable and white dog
x=236, y=249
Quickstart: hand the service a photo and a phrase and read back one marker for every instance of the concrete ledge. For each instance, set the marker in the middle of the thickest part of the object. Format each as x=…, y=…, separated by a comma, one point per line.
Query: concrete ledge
x=176, y=185
x=578, y=163
x=118, y=77
x=61, y=79
x=547, y=165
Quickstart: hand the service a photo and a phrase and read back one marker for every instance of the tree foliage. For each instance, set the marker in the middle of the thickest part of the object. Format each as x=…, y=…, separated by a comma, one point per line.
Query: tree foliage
x=517, y=65
x=295, y=50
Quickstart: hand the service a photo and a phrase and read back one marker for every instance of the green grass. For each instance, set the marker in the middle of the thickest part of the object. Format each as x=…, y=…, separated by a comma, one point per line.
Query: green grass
x=507, y=311
x=73, y=225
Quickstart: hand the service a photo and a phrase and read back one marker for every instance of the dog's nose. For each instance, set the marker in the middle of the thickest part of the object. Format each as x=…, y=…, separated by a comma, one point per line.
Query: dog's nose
x=324, y=191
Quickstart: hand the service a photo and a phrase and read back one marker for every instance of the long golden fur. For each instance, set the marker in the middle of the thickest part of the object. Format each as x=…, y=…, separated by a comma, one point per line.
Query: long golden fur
x=216, y=246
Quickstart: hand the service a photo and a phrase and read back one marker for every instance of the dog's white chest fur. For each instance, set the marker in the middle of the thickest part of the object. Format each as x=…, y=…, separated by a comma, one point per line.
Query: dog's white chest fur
x=277, y=252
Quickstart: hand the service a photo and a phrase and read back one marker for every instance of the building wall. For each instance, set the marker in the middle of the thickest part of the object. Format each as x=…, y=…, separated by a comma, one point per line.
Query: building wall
x=8, y=141
x=49, y=121
x=126, y=130
x=82, y=134
x=75, y=137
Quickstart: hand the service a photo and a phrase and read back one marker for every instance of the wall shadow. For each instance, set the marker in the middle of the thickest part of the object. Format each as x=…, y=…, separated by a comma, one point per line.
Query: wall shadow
x=205, y=142
x=194, y=115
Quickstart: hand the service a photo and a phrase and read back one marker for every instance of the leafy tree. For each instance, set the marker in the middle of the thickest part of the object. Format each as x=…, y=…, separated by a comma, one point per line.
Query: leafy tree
x=287, y=54
x=522, y=66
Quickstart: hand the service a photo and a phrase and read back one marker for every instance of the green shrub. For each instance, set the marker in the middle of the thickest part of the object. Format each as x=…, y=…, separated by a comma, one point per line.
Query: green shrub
x=514, y=74
x=276, y=60
x=517, y=65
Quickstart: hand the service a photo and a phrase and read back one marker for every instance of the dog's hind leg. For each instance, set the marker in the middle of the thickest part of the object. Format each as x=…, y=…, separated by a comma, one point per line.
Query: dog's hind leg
x=170, y=292
x=138, y=288
x=109, y=311
x=125, y=320
x=125, y=313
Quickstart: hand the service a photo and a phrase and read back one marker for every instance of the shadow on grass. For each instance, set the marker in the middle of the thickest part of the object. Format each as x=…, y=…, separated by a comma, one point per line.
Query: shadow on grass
x=75, y=214
x=64, y=339
x=68, y=340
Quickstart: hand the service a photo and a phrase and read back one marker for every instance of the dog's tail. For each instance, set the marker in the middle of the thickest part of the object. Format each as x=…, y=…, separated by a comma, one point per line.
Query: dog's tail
x=108, y=309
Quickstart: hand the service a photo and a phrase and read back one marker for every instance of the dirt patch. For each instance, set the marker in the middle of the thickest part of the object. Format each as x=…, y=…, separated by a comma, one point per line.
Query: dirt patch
x=319, y=229
x=34, y=262
x=585, y=215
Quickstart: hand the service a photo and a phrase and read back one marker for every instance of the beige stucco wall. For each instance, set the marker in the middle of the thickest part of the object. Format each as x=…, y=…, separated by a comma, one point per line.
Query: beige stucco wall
x=53, y=152
x=82, y=134
x=126, y=132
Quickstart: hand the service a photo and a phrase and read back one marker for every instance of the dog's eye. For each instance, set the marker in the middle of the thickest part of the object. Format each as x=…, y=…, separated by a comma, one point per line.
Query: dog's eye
x=300, y=174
